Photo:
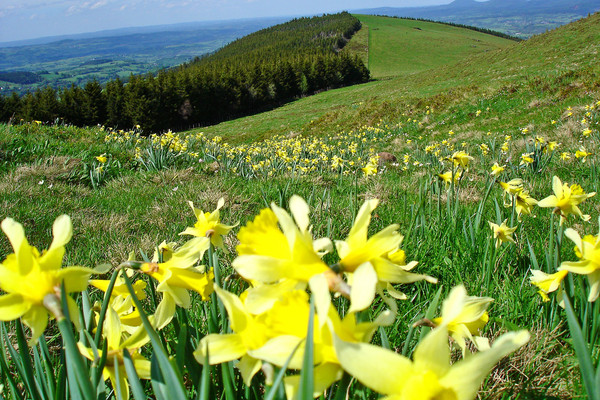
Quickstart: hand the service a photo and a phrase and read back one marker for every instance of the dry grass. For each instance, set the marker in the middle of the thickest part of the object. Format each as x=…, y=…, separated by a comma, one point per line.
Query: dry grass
x=542, y=369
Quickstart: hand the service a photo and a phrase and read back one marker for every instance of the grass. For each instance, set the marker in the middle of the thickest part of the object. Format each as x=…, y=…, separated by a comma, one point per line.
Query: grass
x=502, y=92
x=400, y=46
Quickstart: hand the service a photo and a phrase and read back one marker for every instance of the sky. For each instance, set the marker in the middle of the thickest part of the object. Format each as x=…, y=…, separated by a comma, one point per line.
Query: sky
x=28, y=19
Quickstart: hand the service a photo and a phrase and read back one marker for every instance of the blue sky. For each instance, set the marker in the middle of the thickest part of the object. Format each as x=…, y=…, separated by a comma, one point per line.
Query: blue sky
x=26, y=19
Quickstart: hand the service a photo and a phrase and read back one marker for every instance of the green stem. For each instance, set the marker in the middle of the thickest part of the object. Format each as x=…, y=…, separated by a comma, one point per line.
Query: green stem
x=105, y=304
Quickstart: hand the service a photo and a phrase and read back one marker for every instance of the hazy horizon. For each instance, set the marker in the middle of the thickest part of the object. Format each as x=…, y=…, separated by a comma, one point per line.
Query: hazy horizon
x=33, y=19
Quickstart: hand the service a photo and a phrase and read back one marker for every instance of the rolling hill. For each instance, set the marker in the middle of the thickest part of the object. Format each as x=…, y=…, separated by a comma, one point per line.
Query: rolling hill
x=522, y=18
x=561, y=63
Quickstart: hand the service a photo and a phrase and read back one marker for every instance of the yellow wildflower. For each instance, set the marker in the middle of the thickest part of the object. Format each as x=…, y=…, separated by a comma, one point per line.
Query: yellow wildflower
x=547, y=283
x=430, y=375
x=27, y=277
x=588, y=252
x=464, y=317
x=502, y=233
x=566, y=199
x=209, y=225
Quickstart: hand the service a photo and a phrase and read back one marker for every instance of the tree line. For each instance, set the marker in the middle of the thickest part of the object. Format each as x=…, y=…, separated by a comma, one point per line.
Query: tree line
x=252, y=74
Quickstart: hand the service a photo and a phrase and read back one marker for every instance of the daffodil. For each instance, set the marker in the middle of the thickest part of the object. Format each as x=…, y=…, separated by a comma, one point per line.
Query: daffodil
x=497, y=169
x=566, y=199
x=465, y=316
x=526, y=159
x=288, y=321
x=276, y=246
x=375, y=262
x=116, y=344
x=461, y=159
x=178, y=274
x=209, y=225
x=27, y=277
x=547, y=283
x=430, y=375
x=513, y=186
x=588, y=252
x=447, y=176
x=101, y=158
x=502, y=233
x=249, y=332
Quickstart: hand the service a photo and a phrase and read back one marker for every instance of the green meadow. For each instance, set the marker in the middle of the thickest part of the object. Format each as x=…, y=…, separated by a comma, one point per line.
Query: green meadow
x=483, y=132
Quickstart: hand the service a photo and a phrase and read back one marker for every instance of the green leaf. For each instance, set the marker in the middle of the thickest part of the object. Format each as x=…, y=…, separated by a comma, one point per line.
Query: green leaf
x=26, y=363
x=134, y=380
x=586, y=367
x=204, y=389
x=161, y=360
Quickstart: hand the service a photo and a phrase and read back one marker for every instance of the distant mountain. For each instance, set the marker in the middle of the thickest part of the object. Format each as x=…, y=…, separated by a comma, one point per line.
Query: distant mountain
x=521, y=18
x=252, y=24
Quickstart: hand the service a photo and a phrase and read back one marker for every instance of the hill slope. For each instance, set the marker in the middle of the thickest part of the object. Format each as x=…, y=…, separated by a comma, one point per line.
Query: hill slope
x=515, y=17
x=400, y=46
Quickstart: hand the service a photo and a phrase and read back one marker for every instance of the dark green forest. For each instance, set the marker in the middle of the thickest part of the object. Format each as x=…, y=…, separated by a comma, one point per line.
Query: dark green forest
x=257, y=72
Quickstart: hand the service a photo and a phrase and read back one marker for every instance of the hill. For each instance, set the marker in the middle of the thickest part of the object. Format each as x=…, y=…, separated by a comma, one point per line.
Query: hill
x=522, y=18
x=251, y=74
x=403, y=46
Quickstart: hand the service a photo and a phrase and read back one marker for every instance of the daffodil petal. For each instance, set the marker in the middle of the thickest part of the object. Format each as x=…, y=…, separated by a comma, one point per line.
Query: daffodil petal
x=364, y=283
x=324, y=376
x=13, y=306
x=320, y=290
x=221, y=348
x=466, y=375
x=277, y=350
x=433, y=352
x=248, y=367
x=382, y=370
x=36, y=319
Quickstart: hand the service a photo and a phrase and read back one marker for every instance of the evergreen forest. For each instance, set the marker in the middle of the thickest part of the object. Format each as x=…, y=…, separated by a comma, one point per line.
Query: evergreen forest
x=252, y=74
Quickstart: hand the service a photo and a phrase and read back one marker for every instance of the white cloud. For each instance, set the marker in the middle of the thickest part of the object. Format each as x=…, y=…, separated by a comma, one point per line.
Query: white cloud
x=99, y=4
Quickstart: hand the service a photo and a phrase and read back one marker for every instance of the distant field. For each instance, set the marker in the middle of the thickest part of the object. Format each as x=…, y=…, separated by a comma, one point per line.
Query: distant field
x=401, y=46
x=78, y=60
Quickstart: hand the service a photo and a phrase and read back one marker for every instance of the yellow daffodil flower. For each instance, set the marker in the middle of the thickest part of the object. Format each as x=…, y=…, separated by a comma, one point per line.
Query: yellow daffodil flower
x=373, y=262
x=114, y=358
x=588, y=252
x=547, y=283
x=249, y=332
x=26, y=276
x=461, y=159
x=430, y=375
x=274, y=247
x=526, y=159
x=502, y=233
x=513, y=186
x=524, y=203
x=566, y=199
x=464, y=316
x=446, y=177
x=178, y=275
x=497, y=169
x=208, y=225
x=583, y=154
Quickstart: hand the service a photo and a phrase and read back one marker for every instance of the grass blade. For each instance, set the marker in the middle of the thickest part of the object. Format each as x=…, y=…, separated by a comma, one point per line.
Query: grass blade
x=306, y=389
x=586, y=366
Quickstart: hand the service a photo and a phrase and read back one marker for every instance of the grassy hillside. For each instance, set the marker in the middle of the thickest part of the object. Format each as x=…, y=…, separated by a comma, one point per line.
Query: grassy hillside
x=522, y=18
x=559, y=65
x=461, y=134
x=400, y=46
